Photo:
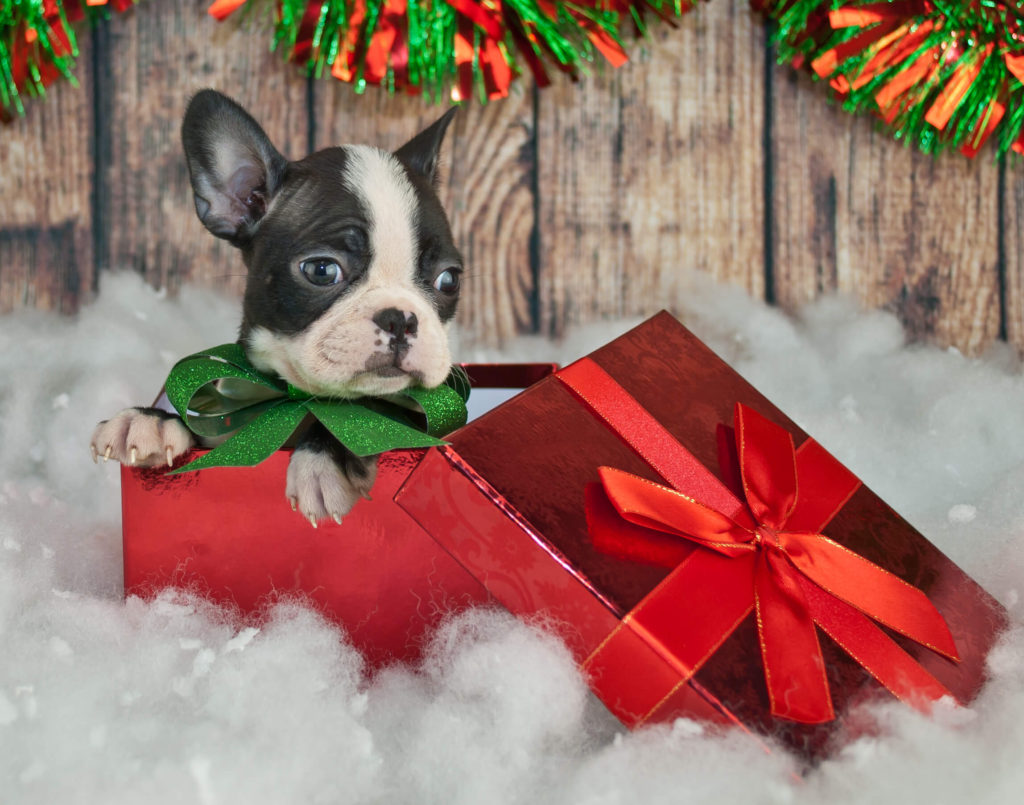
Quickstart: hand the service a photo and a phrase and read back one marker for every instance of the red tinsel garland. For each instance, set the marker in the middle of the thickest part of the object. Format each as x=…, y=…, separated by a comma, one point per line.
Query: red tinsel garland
x=939, y=73
x=469, y=46
x=38, y=45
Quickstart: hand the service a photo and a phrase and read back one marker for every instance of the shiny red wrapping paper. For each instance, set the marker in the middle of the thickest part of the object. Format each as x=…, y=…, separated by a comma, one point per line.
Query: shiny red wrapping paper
x=507, y=501
x=229, y=534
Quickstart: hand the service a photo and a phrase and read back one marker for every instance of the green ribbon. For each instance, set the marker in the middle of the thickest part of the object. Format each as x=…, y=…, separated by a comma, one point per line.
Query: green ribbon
x=217, y=392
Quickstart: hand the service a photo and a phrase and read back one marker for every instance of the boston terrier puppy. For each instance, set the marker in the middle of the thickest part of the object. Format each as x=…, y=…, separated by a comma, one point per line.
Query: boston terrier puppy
x=352, y=279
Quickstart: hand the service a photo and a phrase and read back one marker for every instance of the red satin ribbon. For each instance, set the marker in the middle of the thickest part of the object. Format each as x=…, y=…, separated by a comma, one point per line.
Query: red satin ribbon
x=762, y=553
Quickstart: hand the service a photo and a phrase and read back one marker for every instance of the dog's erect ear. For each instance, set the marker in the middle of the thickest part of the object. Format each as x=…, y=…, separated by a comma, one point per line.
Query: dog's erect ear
x=422, y=151
x=235, y=170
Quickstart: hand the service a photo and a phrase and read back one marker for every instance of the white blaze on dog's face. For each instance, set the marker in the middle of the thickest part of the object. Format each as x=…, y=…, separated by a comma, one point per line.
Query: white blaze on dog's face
x=353, y=275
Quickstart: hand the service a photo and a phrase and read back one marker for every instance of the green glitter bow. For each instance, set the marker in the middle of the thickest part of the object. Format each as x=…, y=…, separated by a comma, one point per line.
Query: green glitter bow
x=218, y=392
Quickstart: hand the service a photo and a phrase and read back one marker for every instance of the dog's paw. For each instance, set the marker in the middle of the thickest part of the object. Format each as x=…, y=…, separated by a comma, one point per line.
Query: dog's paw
x=141, y=437
x=325, y=484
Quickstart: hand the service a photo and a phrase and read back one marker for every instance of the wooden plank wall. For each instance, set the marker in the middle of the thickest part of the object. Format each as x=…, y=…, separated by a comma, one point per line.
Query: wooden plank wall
x=580, y=201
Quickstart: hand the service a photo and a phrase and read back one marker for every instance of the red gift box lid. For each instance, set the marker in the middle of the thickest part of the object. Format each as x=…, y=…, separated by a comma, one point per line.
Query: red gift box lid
x=506, y=499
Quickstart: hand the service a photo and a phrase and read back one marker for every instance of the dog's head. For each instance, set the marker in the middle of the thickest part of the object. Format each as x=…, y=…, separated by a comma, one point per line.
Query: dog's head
x=353, y=274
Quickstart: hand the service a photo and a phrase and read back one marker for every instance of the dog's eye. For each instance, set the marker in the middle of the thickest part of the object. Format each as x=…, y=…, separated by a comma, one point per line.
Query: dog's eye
x=321, y=271
x=447, y=281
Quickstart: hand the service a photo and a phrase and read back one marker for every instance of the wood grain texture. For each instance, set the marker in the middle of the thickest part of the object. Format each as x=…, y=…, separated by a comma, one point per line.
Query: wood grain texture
x=164, y=52
x=486, y=185
x=580, y=201
x=854, y=212
x=1013, y=250
x=46, y=251
x=653, y=171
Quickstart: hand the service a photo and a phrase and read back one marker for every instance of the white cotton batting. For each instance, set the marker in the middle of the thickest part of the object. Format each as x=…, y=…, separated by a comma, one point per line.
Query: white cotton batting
x=175, y=700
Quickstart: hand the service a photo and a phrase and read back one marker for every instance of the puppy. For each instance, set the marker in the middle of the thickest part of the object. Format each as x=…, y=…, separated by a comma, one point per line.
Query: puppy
x=352, y=279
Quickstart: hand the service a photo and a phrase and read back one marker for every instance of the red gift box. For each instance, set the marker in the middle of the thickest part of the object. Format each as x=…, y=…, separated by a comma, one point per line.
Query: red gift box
x=719, y=581
x=229, y=534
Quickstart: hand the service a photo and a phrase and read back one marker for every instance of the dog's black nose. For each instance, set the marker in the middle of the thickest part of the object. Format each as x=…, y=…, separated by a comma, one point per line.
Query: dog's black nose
x=395, y=322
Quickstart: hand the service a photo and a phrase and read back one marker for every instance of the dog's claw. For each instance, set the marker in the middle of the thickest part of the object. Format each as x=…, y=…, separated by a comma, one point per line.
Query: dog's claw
x=326, y=486
x=295, y=503
x=312, y=521
x=141, y=437
x=366, y=494
x=95, y=454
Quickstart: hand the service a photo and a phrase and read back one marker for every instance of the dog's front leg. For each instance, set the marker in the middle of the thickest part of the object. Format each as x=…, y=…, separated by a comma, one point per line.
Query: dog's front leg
x=325, y=479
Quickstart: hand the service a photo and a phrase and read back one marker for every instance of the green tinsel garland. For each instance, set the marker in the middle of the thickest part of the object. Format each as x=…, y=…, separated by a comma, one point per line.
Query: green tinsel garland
x=951, y=77
x=451, y=47
x=940, y=73
x=38, y=45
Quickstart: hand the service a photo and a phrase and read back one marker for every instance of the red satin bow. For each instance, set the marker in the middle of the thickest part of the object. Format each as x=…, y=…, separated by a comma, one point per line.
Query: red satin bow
x=757, y=556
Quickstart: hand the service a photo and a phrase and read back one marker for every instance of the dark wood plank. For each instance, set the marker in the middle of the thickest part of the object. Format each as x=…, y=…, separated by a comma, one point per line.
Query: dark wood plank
x=1013, y=250
x=161, y=53
x=601, y=206
x=486, y=185
x=46, y=256
x=857, y=212
x=493, y=203
x=810, y=146
x=653, y=171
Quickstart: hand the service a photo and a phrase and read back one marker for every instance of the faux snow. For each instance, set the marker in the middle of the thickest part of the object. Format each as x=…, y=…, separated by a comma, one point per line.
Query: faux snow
x=175, y=701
